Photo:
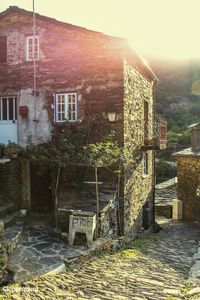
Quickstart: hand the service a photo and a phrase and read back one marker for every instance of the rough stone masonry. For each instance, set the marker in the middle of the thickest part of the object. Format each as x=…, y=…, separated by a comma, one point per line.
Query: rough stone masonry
x=3, y=253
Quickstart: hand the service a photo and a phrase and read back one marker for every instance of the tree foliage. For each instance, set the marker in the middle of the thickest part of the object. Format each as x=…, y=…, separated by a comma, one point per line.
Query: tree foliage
x=70, y=144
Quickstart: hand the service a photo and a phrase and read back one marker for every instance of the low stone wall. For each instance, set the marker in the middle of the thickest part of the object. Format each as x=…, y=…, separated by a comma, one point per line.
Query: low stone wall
x=108, y=220
x=3, y=254
x=188, y=172
x=63, y=219
x=9, y=240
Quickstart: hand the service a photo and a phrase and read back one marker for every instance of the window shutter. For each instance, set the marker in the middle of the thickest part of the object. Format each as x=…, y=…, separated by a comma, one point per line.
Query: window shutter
x=3, y=49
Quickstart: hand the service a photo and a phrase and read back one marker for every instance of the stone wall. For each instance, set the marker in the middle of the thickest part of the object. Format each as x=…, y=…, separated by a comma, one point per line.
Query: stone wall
x=188, y=173
x=10, y=183
x=108, y=220
x=15, y=183
x=3, y=254
x=75, y=194
x=137, y=186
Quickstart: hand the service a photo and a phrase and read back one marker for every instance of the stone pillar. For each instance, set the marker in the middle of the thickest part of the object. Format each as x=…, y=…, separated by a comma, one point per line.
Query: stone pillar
x=177, y=209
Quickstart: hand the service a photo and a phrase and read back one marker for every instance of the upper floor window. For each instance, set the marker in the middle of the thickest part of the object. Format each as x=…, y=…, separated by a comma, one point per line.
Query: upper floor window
x=8, y=108
x=66, y=107
x=145, y=164
x=3, y=49
x=32, y=48
x=146, y=119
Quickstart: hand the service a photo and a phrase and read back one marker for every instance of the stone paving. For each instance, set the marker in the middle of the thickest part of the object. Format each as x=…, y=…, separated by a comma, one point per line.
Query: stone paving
x=152, y=268
x=195, y=270
x=40, y=252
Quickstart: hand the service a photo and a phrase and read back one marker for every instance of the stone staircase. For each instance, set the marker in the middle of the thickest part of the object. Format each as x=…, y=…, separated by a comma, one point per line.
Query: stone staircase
x=8, y=214
x=165, y=192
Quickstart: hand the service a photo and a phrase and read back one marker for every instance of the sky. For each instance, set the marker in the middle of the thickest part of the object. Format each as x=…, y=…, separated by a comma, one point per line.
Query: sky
x=162, y=28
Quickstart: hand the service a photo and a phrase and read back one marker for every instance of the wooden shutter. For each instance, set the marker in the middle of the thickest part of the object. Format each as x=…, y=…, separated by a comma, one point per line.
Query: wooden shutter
x=3, y=49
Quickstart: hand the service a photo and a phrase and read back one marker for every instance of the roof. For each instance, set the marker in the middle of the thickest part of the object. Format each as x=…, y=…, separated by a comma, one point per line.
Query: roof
x=145, y=64
x=12, y=9
x=194, y=125
x=148, y=71
x=187, y=152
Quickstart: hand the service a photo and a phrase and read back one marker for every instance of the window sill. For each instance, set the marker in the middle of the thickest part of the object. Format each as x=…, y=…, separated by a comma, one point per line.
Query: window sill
x=145, y=176
x=31, y=61
x=63, y=122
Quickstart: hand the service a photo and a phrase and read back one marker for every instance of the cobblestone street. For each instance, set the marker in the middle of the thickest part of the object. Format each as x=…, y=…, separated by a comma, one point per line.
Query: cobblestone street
x=156, y=267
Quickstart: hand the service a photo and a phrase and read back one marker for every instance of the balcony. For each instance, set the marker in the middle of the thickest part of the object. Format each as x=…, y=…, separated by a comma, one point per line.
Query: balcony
x=158, y=140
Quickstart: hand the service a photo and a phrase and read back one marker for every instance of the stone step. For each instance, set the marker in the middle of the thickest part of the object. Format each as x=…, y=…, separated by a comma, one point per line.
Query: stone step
x=10, y=219
x=12, y=237
x=6, y=208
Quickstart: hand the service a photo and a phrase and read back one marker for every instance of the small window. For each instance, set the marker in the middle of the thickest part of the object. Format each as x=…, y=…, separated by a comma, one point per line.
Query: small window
x=66, y=107
x=146, y=119
x=8, y=109
x=145, y=164
x=32, y=49
x=3, y=49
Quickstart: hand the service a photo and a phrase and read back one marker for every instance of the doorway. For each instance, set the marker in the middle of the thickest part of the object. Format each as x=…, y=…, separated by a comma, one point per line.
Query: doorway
x=41, y=191
x=8, y=119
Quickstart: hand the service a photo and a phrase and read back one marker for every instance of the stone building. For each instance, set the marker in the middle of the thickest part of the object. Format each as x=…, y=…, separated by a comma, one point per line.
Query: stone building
x=188, y=174
x=77, y=74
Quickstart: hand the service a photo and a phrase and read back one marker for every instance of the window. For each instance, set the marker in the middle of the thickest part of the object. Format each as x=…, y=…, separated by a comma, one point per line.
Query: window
x=3, y=49
x=66, y=107
x=146, y=119
x=30, y=49
x=8, y=109
x=145, y=164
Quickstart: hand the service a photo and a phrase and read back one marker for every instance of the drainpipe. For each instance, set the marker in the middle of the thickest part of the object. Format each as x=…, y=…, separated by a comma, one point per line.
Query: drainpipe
x=17, y=119
x=34, y=73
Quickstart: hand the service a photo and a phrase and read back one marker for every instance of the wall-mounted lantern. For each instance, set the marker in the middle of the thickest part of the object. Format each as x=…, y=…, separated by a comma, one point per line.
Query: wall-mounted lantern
x=112, y=113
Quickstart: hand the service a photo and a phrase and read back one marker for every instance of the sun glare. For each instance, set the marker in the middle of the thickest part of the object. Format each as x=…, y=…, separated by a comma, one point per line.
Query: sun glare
x=170, y=30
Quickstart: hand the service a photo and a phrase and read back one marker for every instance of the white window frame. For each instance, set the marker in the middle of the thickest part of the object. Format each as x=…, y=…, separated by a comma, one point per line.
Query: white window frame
x=28, y=39
x=65, y=112
x=8, y=119
x=145, y=164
